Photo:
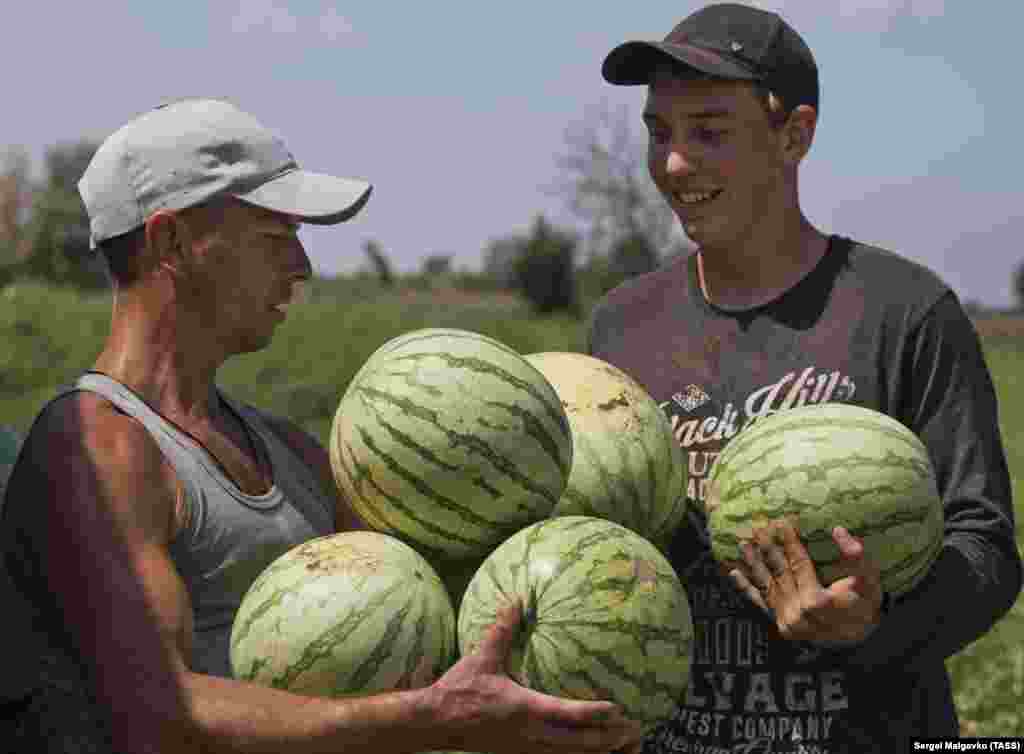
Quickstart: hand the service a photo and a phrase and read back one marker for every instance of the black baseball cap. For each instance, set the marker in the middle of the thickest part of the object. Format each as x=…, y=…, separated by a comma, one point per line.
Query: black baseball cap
x=729, y=41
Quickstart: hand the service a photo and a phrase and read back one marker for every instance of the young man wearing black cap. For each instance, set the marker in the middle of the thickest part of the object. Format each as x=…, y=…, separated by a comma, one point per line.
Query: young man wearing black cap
x=768, y=314
x=146, y=501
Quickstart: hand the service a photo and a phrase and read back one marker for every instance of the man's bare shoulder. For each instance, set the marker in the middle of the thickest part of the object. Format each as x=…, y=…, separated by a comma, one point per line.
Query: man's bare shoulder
x=82, y=447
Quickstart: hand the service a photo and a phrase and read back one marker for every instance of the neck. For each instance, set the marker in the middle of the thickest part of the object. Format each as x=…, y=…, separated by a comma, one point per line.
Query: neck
x=146, y=351
x=760, y=266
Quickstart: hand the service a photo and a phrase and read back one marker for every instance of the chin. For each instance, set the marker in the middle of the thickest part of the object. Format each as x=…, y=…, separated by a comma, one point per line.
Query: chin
x=710, y=235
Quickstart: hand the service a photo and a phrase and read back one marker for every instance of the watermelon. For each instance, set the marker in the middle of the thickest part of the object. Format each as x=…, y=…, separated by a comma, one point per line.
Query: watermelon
x=347, y=614
x=450, y=441
x=604, y=614
x=10, y=446
x=829, y=465
x=627, y=466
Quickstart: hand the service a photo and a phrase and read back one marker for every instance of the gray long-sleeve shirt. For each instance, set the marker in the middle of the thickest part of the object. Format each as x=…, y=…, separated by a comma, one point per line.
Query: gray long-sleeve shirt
x=865, y=327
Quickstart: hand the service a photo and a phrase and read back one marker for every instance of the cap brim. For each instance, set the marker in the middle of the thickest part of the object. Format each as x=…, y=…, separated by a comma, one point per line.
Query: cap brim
x=632, y=63
x=312, y=197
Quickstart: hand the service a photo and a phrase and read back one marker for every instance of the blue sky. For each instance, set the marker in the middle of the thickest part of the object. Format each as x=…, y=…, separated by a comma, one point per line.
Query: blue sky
x=456, y=111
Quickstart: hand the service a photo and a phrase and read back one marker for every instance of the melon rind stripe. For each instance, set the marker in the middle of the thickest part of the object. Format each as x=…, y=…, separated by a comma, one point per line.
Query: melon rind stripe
x=472, y=442
x=428, y=334
x=323, y=645
x=627, y=466
x=482, y=367
x=423, y=489
x=797, y=419
x=565, y=618
x=497, y=477
x=391, y=639
x=750, y=487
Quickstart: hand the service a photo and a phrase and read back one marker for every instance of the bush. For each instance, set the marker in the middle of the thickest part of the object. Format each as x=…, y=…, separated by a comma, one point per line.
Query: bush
x=544, y=269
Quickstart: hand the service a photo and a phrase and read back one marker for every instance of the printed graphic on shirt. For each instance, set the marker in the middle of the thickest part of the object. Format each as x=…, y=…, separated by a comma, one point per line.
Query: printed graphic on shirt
x=746, y=693
x=703, y=427
x=749, y=692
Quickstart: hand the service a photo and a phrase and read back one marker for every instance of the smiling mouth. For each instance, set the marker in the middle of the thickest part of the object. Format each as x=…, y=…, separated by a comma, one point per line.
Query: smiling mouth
x=693, y=198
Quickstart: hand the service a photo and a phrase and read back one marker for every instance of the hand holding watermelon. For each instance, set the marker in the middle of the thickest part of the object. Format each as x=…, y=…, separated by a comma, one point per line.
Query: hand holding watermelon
x=779, y=575
x=496, y=714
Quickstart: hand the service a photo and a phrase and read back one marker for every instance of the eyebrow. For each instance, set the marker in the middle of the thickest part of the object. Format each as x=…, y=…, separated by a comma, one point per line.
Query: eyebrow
x=714, y=112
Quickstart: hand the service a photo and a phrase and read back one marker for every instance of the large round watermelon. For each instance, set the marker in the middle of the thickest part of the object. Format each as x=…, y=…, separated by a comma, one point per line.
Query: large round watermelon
x=605, y=616
x=831, y=465
x=346, y=614
x=627, y=466
x=451, y=441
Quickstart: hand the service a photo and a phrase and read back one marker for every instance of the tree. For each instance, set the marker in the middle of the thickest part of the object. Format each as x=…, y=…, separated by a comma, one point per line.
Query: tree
x=15, y=202
x=1018, y=285
x=499, y=264
x=604, y=178
x=55, y=240
x=629, y=257
x=436, y=265
x=545, y=268
x=380, y=263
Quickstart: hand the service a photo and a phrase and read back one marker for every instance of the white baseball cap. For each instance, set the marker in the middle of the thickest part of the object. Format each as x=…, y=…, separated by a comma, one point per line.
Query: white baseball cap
x=190, y=151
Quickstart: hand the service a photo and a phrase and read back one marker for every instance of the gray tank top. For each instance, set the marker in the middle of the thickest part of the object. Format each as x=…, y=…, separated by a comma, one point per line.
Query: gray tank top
x=230, y=536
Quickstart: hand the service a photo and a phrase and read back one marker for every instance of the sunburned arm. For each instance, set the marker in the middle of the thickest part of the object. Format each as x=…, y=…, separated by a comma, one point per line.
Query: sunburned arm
x=90, y=565
x=110, y=512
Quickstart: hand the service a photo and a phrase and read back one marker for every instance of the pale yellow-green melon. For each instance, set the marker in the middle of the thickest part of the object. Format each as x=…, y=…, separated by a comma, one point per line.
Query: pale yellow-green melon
x=627, y=465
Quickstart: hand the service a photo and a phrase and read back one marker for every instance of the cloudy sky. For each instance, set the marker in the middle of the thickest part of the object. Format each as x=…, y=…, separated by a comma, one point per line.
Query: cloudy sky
x=456, y=111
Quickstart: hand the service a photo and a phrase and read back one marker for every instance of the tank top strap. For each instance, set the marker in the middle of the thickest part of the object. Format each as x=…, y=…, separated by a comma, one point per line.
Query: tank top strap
x=291, y=472
x=182, y=451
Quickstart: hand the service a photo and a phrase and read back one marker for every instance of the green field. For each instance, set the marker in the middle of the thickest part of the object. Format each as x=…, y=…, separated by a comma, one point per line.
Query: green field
x=48, y=336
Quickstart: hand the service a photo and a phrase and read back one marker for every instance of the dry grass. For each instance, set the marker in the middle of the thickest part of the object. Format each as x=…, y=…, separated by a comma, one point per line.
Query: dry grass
x=1001, y=326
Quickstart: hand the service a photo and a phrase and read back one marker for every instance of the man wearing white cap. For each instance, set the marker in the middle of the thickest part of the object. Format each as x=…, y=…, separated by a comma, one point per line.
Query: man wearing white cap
x=195, y=207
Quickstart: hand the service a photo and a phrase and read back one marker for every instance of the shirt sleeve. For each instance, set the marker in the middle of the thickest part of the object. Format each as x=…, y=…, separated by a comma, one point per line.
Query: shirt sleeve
x=943, y=391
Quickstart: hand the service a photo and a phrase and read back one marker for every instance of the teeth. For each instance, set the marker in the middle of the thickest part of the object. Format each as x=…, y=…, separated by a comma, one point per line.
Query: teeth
x=694, y=198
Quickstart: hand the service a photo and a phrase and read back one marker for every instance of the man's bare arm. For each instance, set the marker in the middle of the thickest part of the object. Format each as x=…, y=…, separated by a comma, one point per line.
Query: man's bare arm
x=113, y=480
x=88, y=566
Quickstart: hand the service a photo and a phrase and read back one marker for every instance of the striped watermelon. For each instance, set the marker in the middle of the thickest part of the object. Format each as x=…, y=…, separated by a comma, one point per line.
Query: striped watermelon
x=627, y=466
x=830, y=465
x=451, y=441
x=346, y=614
x=605, y=616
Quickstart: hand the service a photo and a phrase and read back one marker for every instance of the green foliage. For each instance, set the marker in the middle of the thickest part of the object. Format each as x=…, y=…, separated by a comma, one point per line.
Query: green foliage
x=1018, y=285
x=631, y=256
x=56, y=236
x=323, y=343
x=544, y=268
x=380, y=263
x=437, y=265
x=500, y=261
x=988, y=676
x=48, y=335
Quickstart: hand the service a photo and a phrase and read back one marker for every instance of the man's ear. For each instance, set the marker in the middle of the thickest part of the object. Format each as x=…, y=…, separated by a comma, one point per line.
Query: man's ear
x=798, y=133
x=167, y=241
